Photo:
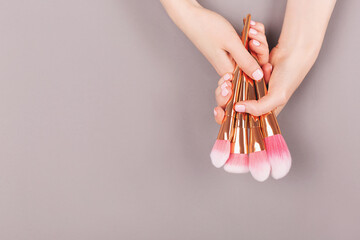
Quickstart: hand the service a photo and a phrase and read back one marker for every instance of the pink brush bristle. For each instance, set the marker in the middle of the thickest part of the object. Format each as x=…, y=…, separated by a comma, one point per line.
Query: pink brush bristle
x=220, y=153
x=278, y=155
x=259, y=165
x=237, y=163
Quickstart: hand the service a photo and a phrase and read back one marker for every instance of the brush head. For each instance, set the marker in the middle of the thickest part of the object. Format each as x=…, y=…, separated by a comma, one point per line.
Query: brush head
x=279, y=155
x=220, y=153
x=259, y=165
x=237, y=163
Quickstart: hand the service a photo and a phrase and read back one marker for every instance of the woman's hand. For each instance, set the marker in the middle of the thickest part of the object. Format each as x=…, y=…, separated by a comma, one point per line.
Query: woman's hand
x=214, y=36
x=259, y=47
x=301, y=38
x=300, y=41
x=287, y=71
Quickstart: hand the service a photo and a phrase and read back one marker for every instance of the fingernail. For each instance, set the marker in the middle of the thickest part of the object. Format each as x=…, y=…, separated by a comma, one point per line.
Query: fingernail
x=224, y=92
x=240, y=108
x=253, y=31
x=257, y=75
x=224, y=85
x=252, y=23
x=215, y=113
x=227, y=76
x=256, y=43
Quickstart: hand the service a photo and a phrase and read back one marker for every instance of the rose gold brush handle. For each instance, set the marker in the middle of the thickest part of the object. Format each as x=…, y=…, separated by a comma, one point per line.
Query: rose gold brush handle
x=227, y=124
x=256, y=137
x=269, y=123
x=239, y=142
x=226, y=131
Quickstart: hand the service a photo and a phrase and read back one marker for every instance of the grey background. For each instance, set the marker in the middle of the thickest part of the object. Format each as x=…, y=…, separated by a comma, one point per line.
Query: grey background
x=106, y=124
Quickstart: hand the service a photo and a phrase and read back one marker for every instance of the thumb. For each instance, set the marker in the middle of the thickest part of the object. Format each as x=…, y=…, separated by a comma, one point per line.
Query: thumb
x=267, y=69
x=259, y=107
x=243, y=58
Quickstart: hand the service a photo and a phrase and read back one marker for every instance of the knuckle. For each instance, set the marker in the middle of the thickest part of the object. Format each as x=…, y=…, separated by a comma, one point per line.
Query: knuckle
x=220, y=81
x=254, y=109
x=250, y=65
x=231, y=42
x=217, y=91
x=257, y=112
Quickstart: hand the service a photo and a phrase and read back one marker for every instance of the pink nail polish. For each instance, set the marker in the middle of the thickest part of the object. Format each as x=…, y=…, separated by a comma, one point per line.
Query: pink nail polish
x=224, y=85
x=257, y=75
x=252, y=31
x=256, y=43
x=224, y=92
x=227, y=76
x=252, y=23
x=240, y=108
x=215, y=113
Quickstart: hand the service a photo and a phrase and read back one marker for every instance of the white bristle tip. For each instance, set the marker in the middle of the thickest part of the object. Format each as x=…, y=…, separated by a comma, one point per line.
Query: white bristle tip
x=220, y=153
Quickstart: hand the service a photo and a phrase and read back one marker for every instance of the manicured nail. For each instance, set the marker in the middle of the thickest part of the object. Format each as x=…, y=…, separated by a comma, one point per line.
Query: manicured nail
x=227, y=76
x=257, y=75
x=224, y=92
x=224, y=85
x=252, y=23
x=256, y=43
x=240, y=108
x=253, y=31
x=215, y=113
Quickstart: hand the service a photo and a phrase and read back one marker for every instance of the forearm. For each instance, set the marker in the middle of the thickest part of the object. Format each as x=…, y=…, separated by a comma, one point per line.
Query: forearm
x=305, y=25
x=178, y=10
x=213, y=35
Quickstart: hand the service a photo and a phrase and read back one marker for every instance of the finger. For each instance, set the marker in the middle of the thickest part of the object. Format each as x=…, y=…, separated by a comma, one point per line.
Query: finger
x=223, y=62
x=225, y=77
x=261, y=51
x=259, y=36
x=258, y=26
x=267, y=69
x=223, y=93
x=219, y=114
x=243, y=58
x=259, y=107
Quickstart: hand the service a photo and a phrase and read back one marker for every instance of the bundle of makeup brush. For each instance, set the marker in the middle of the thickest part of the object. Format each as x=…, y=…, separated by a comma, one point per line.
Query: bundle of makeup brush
x=250, y=143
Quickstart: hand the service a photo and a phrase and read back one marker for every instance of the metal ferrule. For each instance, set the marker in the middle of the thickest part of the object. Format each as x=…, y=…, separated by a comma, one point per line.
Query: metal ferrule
x=256, y=140
x=269, y=124
x=239, y=143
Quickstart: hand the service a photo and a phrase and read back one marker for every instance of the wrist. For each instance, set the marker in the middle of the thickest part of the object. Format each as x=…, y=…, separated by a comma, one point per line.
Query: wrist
x=306, y=48
x=178, y=10
x=293, y=63
x=301, y=55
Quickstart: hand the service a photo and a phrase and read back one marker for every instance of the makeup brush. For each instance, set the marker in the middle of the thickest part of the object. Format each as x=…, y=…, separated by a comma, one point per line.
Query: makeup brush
x=238, y=161
x=277, y=150
x=221, y=149
x=259, y=165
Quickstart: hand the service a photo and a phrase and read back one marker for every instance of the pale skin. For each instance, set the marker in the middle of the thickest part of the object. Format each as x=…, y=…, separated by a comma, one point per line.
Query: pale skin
x=284, y=69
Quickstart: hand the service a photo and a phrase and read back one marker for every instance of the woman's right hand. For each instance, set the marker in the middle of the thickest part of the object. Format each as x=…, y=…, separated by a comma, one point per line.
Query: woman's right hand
x=214, y=36
x=259, y=47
